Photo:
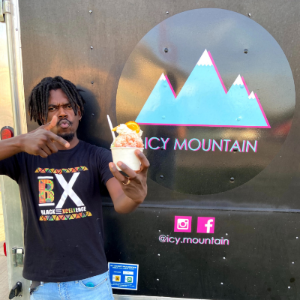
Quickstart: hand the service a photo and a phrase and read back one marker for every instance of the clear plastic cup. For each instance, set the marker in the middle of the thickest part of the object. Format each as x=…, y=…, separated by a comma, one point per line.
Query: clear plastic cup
x=127, y=156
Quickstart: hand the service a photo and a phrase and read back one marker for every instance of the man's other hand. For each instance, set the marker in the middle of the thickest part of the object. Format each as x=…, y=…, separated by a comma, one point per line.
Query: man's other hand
x=42, y=140
x=135, y=185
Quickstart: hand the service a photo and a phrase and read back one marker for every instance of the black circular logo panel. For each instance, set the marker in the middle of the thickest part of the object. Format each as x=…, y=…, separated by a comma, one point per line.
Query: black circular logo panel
x=215, y=96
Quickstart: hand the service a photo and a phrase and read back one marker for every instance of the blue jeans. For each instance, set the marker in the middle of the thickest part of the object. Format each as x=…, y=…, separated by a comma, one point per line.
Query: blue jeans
x=93, y=288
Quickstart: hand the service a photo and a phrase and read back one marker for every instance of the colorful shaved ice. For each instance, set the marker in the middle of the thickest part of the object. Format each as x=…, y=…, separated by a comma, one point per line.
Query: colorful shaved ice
x=129, y=140
x=124, y=145
x=129, y=135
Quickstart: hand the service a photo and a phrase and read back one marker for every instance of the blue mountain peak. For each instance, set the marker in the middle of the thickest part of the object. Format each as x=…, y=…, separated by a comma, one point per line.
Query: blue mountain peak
x=203, y=101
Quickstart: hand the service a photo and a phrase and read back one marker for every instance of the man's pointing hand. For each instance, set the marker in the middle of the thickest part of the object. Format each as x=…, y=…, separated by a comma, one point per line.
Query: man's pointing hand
x=50, y=125
x=42, y=140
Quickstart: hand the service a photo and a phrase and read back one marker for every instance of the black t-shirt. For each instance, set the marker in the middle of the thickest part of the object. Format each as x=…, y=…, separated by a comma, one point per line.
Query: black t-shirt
x=62, y=211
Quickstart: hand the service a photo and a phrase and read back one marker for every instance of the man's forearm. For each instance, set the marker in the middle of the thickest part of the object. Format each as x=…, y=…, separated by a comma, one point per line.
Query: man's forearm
x=128, y=192
x=125, y=205
x=10, y=147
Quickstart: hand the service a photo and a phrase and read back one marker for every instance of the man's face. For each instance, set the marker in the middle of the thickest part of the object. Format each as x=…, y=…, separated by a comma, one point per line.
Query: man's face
x=59, y=105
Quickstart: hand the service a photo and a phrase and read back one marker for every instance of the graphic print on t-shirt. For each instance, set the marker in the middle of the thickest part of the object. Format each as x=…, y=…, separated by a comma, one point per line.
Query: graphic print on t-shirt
x=47, y=197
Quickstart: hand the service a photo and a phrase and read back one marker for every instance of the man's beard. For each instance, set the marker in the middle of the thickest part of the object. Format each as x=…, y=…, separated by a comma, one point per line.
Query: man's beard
x=67, y=136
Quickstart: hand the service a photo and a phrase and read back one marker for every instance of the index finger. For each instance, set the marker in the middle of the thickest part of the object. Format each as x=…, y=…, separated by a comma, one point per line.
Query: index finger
x=58, y=139
x=143, y=159
x=51, y=124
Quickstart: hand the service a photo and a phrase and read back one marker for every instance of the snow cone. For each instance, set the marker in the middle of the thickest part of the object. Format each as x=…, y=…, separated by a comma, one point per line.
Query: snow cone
x=124, y=145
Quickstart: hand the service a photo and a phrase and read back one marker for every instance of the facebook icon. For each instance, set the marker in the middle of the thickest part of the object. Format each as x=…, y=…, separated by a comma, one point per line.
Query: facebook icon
x=206, y=225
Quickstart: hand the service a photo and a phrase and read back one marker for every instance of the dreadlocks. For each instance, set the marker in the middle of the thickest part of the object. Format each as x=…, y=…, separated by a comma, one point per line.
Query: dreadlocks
x=39, y=97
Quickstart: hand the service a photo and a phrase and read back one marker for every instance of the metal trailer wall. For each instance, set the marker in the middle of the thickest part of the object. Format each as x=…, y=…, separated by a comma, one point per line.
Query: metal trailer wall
x=11, y=95
x=89, y=42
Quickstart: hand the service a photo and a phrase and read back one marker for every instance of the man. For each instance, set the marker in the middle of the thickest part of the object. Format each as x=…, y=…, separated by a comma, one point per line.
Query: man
x=59, y=178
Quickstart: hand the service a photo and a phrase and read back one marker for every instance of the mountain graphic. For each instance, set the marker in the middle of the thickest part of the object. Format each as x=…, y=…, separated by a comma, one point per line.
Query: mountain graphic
x=203, y=101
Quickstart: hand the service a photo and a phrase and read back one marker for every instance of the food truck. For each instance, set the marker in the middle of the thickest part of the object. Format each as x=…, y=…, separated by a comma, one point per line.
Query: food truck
x=213, y=86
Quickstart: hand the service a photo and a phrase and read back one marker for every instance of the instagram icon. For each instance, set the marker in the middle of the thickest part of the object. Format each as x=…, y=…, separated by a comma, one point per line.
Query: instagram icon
x=206, y=225
x=183, y=224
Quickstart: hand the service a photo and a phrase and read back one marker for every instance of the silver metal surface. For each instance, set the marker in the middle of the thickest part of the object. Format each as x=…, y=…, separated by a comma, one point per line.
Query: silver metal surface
x=13, y=222
x=5, y=96
x=4, y=8
x=11, y=88
x=1, y=12
x=13, y=253
x=15, y=68
x=18, y=256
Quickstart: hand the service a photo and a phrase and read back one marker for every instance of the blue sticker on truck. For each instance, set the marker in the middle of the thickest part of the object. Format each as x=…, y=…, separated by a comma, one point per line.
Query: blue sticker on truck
x=123, y=276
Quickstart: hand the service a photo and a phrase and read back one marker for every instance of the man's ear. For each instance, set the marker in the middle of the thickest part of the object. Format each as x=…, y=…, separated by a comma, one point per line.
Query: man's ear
x=79, y=114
